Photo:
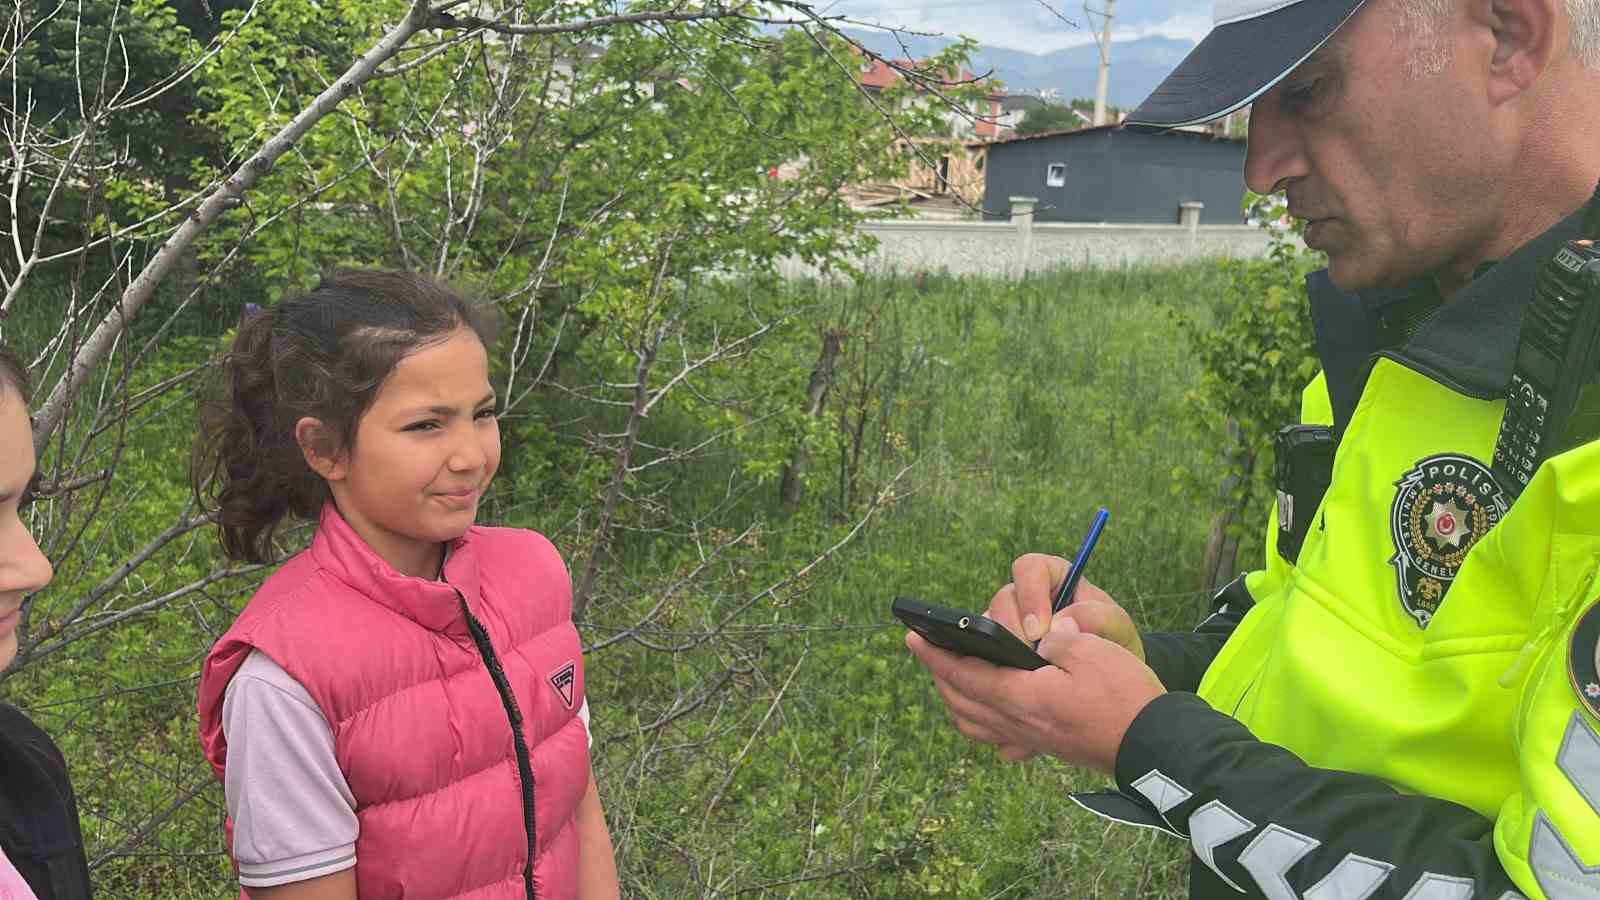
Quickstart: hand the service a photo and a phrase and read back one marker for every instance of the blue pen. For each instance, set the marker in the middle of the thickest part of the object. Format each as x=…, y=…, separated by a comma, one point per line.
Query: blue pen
x=1070, y=583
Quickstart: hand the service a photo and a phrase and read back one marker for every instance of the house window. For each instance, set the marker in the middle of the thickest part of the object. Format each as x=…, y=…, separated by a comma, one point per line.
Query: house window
x=1055, y=175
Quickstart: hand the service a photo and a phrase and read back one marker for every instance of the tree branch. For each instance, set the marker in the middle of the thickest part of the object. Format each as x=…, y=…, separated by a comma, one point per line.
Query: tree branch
x=446, y=20
x=226, y=196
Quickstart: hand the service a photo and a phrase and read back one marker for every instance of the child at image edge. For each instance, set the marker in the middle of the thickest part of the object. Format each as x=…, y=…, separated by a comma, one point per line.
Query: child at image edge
x=399, y=711
x=41, y=843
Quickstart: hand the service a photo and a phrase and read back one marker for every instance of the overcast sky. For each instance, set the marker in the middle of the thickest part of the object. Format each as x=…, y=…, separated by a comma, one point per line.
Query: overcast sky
x=1039, y=26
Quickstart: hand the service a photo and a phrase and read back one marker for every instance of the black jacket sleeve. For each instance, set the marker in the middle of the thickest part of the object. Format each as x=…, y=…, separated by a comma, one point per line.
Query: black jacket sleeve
x=1179, y=659
x=1264, y=823
x=39, y=829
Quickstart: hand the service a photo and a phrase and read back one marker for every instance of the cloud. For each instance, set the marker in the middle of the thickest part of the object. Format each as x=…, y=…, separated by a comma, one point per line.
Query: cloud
x=1029, y=25
x=1186, y=27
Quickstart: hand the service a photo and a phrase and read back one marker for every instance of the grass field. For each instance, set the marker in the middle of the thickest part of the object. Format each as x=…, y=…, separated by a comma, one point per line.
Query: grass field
x=822, y=765
x=1056, y=396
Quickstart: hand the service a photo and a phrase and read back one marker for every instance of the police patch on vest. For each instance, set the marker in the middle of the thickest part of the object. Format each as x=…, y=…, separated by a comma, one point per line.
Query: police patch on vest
x=1442, y=509
x=563, y=680
x=1583, y=659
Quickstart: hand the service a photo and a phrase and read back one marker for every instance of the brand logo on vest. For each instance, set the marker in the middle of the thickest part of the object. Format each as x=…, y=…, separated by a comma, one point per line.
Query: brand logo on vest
x=564, y=681
x=1583, y=659
x=1443, y=507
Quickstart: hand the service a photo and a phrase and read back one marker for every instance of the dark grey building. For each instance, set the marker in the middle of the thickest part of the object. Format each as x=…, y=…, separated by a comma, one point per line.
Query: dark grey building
x=1109, y=174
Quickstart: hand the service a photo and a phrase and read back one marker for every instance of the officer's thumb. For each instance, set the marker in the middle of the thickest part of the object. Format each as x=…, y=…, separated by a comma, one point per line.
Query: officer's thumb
x=1089, y=617
x=1055, y=646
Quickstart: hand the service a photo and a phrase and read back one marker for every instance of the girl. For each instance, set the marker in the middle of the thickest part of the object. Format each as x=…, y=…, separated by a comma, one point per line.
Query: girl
x=399, y=711
x=41, y=848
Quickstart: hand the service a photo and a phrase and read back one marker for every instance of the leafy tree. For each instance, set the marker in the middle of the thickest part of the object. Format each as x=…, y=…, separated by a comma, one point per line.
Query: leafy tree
x=597, y=174
x=1254, y=364
x=1050, y=117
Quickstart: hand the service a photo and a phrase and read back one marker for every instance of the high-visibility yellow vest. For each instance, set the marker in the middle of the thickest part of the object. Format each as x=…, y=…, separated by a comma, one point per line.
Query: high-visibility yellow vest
x=1435, y=648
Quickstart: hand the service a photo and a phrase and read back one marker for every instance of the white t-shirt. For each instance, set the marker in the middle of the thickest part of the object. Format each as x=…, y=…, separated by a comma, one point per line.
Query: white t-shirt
x=294, y=817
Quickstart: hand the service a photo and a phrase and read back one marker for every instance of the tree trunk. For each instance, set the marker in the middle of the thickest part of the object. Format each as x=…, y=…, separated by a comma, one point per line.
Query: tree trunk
x=1222, y=547
x=792, y=487
x=619, y=475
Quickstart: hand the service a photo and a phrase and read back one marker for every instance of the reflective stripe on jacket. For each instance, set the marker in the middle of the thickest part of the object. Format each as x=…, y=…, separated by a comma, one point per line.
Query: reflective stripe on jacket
x=1397, y=713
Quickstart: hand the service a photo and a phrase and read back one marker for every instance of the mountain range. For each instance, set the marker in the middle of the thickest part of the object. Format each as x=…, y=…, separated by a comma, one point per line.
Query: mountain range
x=1136, y=66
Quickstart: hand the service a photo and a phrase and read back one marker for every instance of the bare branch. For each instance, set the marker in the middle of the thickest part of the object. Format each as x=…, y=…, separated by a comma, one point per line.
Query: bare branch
x=152, y=824
x=144, y=608
x=733, y=768
x=117, y=577
x=443, y=48
x=446, y=20
x=178, y=78
x=228, y=195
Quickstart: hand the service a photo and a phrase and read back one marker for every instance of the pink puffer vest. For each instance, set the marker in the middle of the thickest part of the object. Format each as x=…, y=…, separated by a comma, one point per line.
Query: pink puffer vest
x=429, y=748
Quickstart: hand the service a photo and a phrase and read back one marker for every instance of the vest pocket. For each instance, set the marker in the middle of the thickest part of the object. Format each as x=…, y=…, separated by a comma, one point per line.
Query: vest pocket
x=1232, y=676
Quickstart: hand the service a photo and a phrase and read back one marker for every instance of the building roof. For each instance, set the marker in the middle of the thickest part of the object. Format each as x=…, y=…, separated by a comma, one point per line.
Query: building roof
x=1092, y=129
x=879, y=74
x=1025, y=102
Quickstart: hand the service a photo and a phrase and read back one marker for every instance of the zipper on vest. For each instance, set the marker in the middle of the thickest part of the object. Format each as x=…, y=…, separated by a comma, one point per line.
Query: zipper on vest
x=508, y=699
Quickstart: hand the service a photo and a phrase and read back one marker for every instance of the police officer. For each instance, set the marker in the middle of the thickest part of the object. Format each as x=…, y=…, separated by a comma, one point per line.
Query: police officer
x=1409, y=707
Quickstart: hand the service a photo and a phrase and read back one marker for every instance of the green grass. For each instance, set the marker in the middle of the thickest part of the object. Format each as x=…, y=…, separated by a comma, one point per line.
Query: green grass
x=823, y=764
x=1052, y=398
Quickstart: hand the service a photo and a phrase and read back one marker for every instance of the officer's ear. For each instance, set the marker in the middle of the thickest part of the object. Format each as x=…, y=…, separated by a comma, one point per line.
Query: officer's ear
x=1524, y=42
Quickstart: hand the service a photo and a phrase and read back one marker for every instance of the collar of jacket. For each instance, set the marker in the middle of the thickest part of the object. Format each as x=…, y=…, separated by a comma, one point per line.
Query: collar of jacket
x=432, y=604
x=1469, y=344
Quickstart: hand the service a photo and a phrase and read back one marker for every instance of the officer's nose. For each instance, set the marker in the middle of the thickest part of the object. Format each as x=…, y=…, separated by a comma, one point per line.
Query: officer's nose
x=1275, y=153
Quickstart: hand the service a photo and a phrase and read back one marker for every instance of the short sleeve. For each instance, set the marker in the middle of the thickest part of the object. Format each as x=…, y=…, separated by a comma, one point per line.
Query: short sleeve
x=293, y=812
x=583, y=713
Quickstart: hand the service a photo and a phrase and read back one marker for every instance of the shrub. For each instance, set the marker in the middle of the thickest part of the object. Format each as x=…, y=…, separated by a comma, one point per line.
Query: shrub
x=1254, y=362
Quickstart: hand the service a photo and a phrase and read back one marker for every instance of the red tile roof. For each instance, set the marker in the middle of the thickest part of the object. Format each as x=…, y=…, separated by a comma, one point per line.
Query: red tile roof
x=881, y=74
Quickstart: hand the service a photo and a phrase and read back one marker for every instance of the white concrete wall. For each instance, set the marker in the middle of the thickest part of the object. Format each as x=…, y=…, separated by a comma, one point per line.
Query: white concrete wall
x=1006, y=249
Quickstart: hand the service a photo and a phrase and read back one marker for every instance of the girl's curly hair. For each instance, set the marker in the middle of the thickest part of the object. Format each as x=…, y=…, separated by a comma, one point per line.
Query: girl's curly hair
x=323, y=354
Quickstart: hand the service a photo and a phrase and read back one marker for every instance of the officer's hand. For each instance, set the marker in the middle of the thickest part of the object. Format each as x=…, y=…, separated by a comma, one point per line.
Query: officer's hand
x=1023, y=606
x=1078, y=708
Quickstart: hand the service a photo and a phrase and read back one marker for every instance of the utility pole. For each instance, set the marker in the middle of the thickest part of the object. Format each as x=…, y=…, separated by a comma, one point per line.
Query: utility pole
x=1105, y=60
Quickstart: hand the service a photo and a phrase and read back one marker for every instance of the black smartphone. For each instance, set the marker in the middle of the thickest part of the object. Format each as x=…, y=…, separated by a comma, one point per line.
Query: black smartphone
x=968, y=634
